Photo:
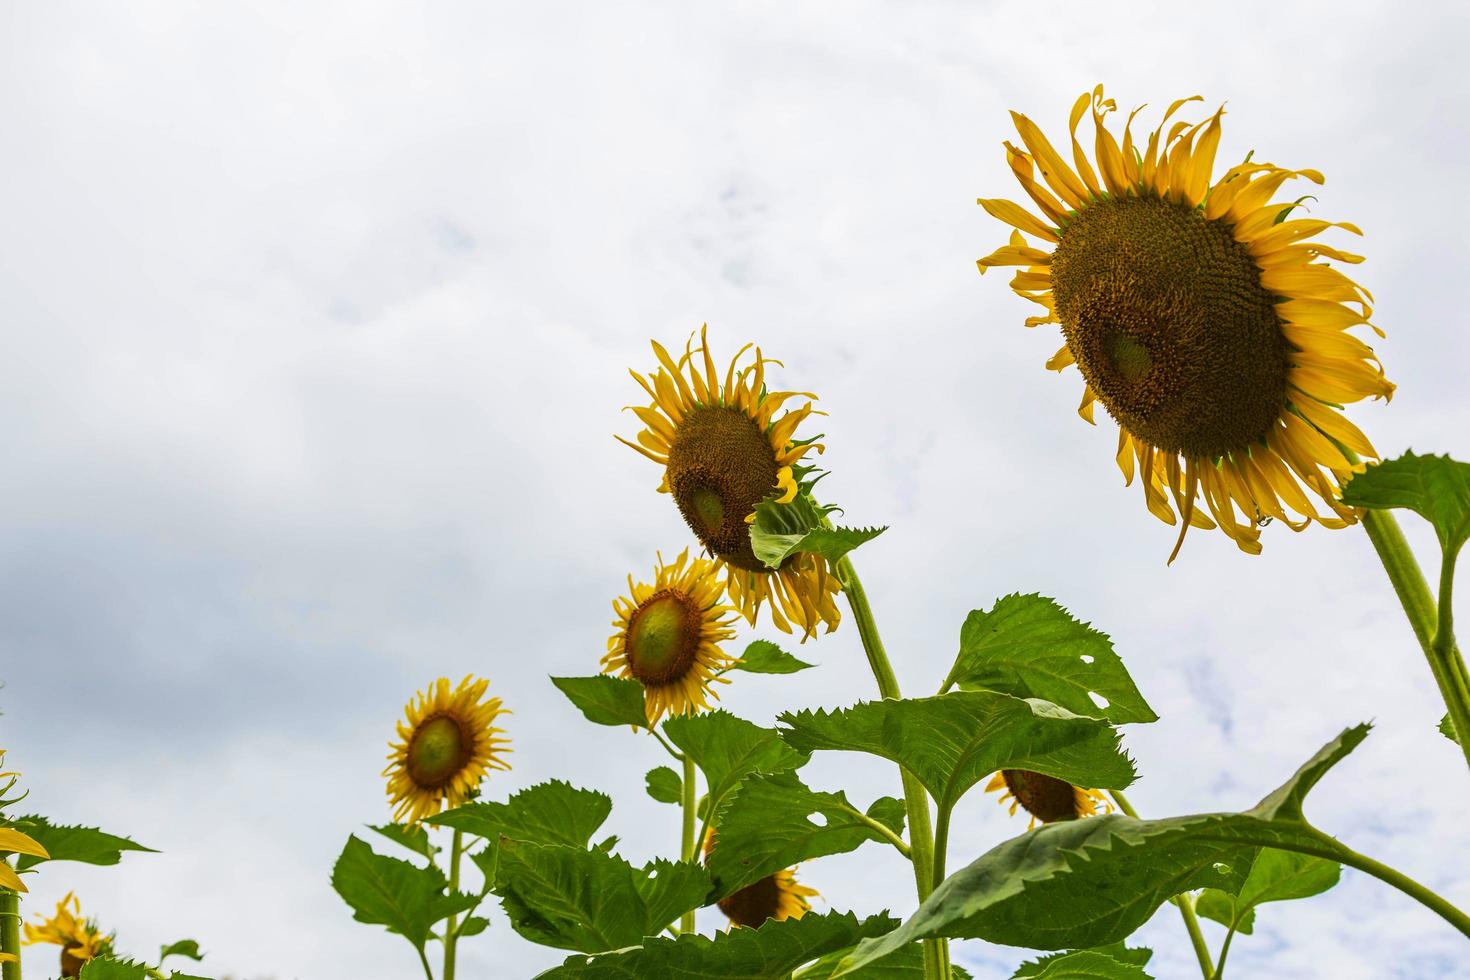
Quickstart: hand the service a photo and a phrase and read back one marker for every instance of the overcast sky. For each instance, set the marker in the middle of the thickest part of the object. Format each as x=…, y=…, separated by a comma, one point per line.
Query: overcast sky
x=316, y=320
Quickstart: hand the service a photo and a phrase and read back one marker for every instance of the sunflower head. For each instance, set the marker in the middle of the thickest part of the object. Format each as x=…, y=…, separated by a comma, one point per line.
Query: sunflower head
x=776, y=896
x=80, y=939
x=447, y=743
x=727, y=444
x=667, y=636
x=1046, y=798
x=1200, y=314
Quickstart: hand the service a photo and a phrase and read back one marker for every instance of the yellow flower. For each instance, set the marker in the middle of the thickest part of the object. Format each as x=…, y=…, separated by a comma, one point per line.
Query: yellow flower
x=776, y=896
x=1201, y=316
x=448, y=744
x=1046, y=798
x=13, y=841
x=79, y=938
x=668, y=636
x=724, y=450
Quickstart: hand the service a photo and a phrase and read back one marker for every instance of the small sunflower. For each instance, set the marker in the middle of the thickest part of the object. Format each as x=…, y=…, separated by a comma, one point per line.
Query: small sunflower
x=724, y=450
x=776, y=896
x=668, y=636
x=1201, y=316
x=13, y=841
x=80, y=939
x=448, y=743
x=1046, y=798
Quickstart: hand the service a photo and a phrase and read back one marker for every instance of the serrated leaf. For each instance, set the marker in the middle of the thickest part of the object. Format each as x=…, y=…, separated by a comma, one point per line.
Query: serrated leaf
x=770, y=952
x=1087, y=882
x=606, y=700
x=415, y=839
x=112, y=968
x=1447, y=729
x=1028, y=646
x=1435, y=487
x=396, y=894
x=1080, y=964
x=592, y=901
x=553, y=812
x=1276, y=876
x=782, y=530
x=765, y=657
x=664, y=785
x=727, y=749
x=906, y=964
x=951, y=742
x=184, y=947
x=766, y=825
x=87, y=845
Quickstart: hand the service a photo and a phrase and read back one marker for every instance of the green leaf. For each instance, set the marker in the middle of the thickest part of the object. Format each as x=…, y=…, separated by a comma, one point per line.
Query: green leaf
x=764, y=657
x=766, y=825
x=727, y=749
x=770, y=952
x=416, y=838
x=665, y=785
x=1447, y=729
x=1276, y=876
x=87, y=845
x=592, y=901
x=384, y=891
x=1435, y=487
x=782, y=530
x=553, y=812
x=953, y=741
x=1030, y=647
x=1087, y=882
x=473, y=926
x=112, y=968
x=606, y=700
x=906, y=964
x=184, y=947
x=1081, y=964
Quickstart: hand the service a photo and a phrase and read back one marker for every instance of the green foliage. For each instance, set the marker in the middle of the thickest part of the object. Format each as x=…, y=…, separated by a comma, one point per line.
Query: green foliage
x=770, y=952
x=553, y=812
x=1087, y=882
x=87, y=845
x=782, y=530
x=764, y=657
x=952, y=741
x=1447, y=729
x=592, y=901
x=727, y=749
x=472, y=926
x=906, y=964
x=115, y=968
x=1086, y=964
x=766, y=825
x=1276, y=876
x=184, y=947
x=416, y=838
x=1030, y=647
x=665, y=785
x=1435, y=487
x=401, y=896
x=606, y=700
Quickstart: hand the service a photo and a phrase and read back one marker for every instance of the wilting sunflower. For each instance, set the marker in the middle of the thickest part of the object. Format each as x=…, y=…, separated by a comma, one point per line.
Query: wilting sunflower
x=668, y=636
x=1202, y=318
x=79, y=939
x=1046, y=798
x=448, y=742
x=776, y=896
x=724, y=450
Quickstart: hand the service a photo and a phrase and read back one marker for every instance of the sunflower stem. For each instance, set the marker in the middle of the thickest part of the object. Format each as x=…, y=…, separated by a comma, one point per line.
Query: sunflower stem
x=1224, y=952
x=882, y=830
x=1184, y=903
x=451, y=928
x=1431, y=622
x=916, y=799
x=1337, y=850
x=678, y=756
x=688, y=845
x=10, y=932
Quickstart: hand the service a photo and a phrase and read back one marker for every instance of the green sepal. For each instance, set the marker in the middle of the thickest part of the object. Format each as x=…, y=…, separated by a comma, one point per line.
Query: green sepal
x=86, y=845
x=402, y=897
x=1275, y=876
x=664, y=785
x=1436, y=488
x=606, y=700
x=782, y=530
x=1447, y=729
x=553, y=812
x=765, y=657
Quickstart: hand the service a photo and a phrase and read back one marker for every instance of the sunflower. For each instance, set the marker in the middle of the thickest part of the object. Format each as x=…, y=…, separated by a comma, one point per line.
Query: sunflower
x=776, y=896
x=668, y=636
x=1046, y=798
x=79, y=939
x=1201, y=316
x=724, y=450
x=448, y=744
x=13, y=841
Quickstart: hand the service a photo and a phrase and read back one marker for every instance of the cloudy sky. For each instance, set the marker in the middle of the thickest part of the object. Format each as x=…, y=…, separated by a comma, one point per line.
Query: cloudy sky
x=316, y=320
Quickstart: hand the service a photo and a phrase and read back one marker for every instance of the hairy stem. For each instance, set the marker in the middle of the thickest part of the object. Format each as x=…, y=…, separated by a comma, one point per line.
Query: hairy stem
x=10, y=932
x=689, y=847
x=451, y=928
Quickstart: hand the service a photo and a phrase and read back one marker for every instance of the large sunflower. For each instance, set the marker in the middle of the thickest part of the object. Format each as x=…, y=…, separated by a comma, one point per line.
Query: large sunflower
x=448, y=743
x=668, y=636
x=80, y=939
x=776, y=896
x=1202, y=318
x=1046, y=798
x=724, y=450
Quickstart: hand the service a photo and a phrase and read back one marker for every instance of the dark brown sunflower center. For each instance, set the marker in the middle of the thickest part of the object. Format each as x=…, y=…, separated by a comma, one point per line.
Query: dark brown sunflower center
x=1166, y=316
x=438, y=750
x=663, y=637
x=71, y=963
x=720, y=466
x=753, y=904
x=1046, y=798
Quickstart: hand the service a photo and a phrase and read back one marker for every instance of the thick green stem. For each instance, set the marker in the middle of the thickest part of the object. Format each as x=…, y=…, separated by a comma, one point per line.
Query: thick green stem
x=1184, y=903
x=688, y=847
x=916, y=799
x=451, y=928
x=1432, y=622
x=10, y=932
